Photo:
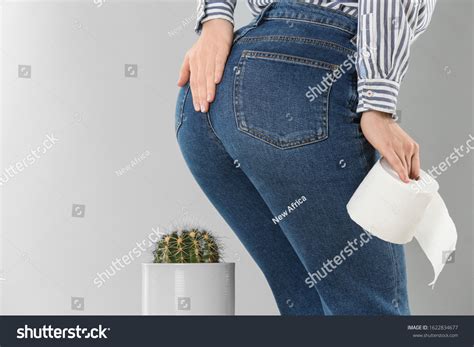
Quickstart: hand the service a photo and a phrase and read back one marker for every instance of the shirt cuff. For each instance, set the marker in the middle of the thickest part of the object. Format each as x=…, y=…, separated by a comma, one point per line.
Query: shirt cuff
x=378, y=95
x=208, y=11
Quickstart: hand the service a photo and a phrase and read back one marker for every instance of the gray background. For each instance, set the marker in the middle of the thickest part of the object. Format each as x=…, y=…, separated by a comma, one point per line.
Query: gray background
x=78, y=91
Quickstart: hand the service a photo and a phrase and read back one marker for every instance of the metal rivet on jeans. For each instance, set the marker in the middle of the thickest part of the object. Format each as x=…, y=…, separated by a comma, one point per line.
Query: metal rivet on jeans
x=395, y=302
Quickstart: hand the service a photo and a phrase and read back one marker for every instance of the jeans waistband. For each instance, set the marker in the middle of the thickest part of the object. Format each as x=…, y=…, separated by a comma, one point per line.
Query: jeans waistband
x=308, y=12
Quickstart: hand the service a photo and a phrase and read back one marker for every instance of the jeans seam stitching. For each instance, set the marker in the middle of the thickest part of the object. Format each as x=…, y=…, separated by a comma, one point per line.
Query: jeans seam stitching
x=395, y=270
x=365, y=162
x=209, y=122
x=313, y=42
x=242, y=35
x=251, y=54
x=181, y=112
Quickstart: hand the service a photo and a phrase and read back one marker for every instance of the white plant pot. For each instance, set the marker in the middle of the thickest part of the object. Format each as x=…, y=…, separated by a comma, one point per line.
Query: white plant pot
x=188, y=289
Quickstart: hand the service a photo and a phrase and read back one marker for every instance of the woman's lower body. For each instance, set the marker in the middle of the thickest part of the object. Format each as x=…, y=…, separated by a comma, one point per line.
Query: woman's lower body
x=280, y=153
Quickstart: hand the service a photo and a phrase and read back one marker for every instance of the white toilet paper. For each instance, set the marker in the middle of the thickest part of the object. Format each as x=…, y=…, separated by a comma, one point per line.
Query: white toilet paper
x=397, y=212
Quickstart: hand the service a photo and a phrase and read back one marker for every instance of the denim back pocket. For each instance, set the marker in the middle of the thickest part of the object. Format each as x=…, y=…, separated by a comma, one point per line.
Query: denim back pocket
x=282, y=99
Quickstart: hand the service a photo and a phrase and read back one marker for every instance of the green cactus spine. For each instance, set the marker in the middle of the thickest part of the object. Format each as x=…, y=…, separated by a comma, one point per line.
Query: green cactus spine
x=188, y=246
x=163, y=251
x=210, y=248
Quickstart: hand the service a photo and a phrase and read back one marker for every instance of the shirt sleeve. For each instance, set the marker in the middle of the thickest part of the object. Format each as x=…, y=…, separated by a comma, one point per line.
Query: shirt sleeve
x=213, y=9
x=386, y=30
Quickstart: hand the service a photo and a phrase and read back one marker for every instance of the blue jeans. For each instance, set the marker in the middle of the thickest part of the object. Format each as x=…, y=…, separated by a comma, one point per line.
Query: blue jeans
x=280, y=153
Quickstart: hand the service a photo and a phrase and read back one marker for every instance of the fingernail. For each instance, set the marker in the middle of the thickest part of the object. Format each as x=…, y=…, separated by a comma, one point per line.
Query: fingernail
x=203, y=107
x=209, y=97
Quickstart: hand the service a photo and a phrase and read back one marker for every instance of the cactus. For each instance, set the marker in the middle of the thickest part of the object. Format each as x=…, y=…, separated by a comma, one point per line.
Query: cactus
x=188, y=246
x=210, y=253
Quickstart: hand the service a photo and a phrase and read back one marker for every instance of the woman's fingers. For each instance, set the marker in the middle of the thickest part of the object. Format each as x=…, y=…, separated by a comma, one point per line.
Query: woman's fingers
x=193, y=82
x=415, y=163
x=204, y=63
x=210, y=83
x=402, y=155
x=184, y=72
x=202, y=81
x=396, y=164
x=410, y=148
x=408, y=164
x=411, y=152
x=398, y=148
x=202, y=86
x=219, y=68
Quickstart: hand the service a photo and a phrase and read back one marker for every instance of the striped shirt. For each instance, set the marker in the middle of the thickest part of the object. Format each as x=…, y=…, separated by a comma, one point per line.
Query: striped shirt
x=387, y=28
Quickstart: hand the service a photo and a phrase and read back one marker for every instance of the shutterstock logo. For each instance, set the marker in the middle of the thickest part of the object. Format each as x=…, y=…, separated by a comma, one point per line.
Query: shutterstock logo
x=184, y=303
x=48, y=332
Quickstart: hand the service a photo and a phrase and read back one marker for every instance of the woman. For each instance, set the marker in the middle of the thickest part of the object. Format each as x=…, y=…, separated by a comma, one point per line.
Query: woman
x=281, y=121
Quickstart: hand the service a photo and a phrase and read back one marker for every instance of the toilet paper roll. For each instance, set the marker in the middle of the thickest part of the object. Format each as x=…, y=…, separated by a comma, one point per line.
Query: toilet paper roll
x=397, y=212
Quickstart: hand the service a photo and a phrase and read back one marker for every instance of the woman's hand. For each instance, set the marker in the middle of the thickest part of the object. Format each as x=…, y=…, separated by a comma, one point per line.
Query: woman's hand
x=204, y=63
x=394, y=144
